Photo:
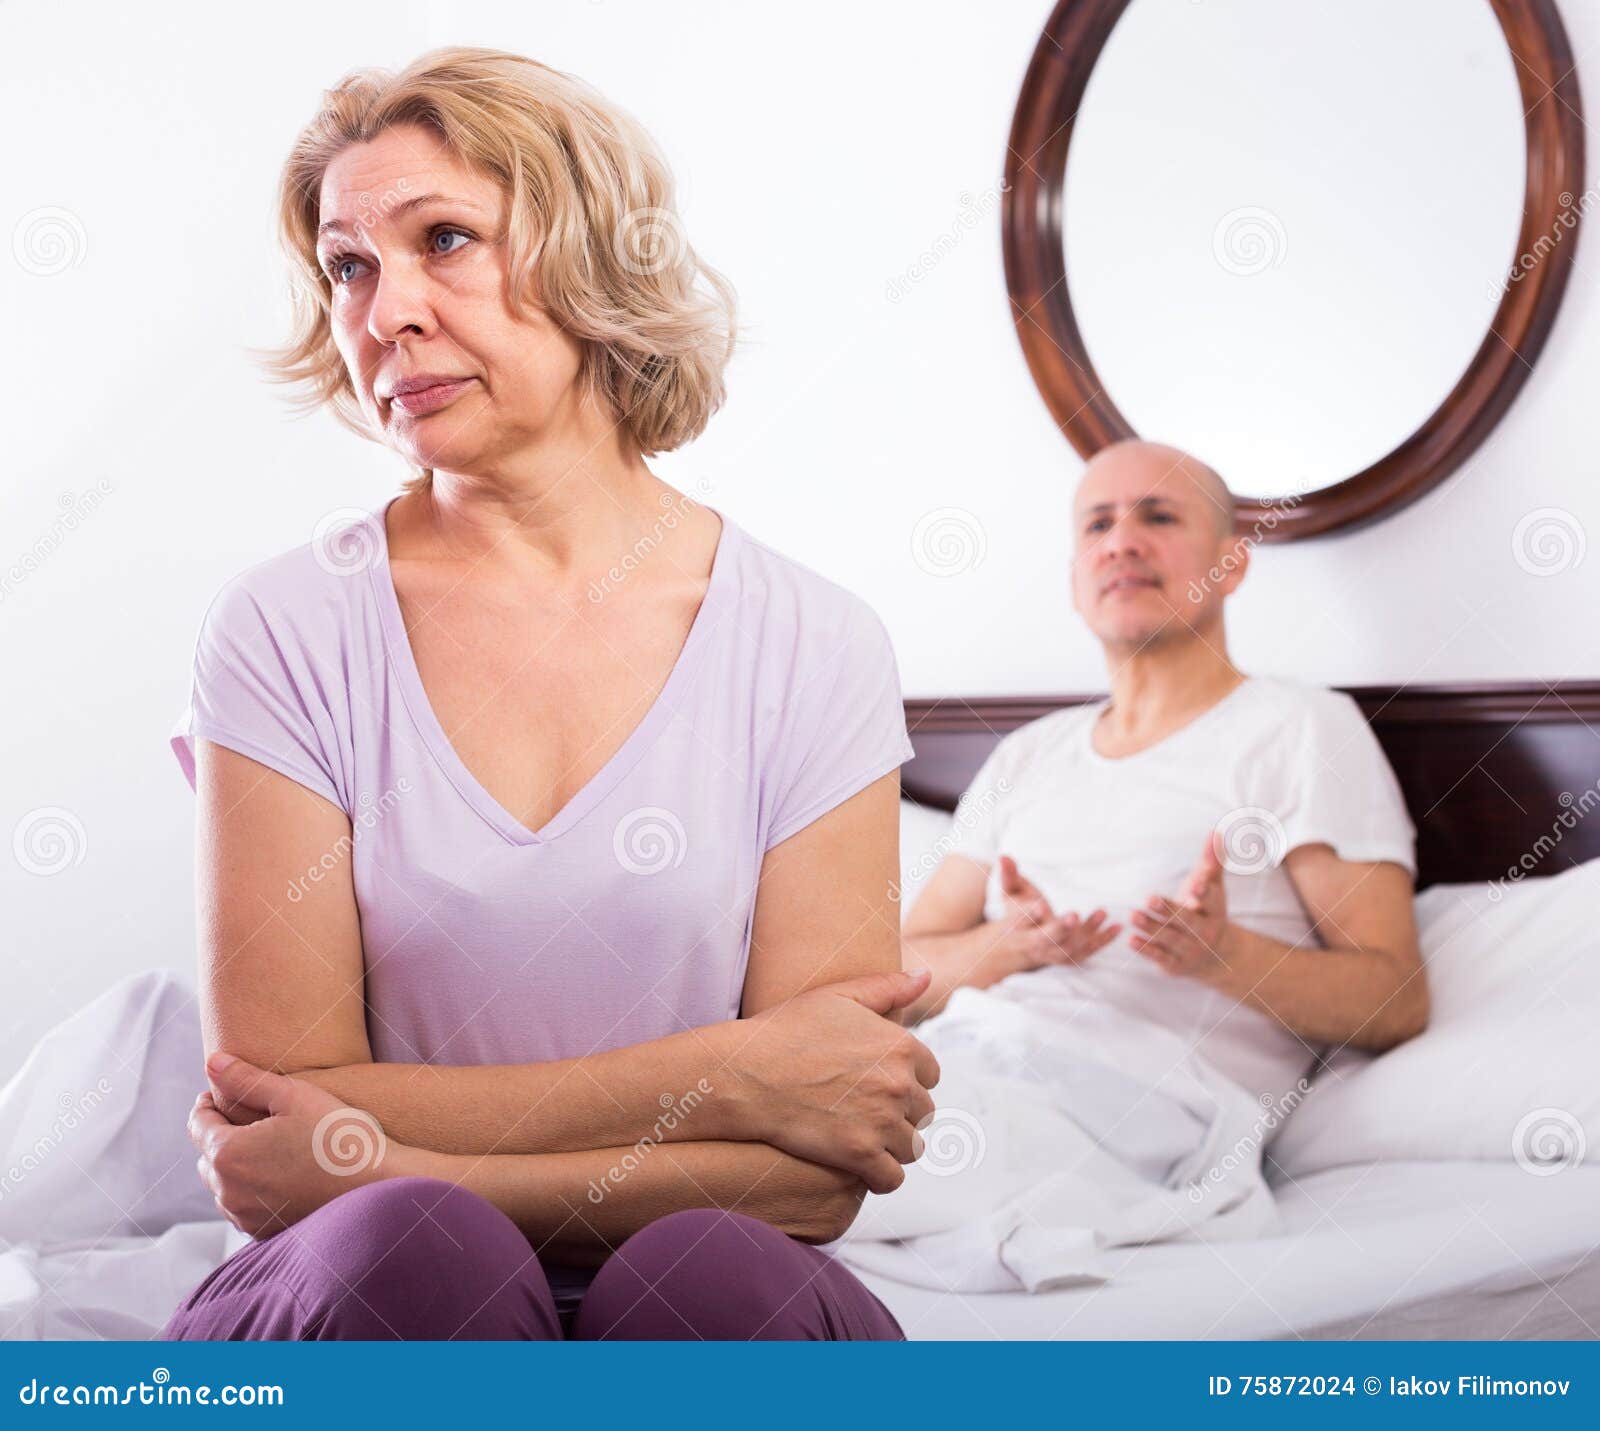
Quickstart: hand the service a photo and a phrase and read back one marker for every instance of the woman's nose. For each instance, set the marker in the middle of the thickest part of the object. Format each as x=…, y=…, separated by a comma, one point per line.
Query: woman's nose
x=400, y=305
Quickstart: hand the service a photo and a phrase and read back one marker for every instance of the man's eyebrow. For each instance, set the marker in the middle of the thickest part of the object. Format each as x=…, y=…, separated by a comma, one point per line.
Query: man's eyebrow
x=1154, y=499
x=338, y=226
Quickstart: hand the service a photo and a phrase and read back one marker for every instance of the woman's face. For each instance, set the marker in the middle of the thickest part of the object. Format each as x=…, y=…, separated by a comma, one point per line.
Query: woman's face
x=413, y=246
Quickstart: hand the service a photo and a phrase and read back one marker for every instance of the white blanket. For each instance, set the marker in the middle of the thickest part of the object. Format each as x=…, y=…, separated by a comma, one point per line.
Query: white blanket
x=104, y=1223
x=1063, y=1128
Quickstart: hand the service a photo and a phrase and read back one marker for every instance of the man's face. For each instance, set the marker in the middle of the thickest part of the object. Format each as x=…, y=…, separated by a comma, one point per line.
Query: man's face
x=1149, y=538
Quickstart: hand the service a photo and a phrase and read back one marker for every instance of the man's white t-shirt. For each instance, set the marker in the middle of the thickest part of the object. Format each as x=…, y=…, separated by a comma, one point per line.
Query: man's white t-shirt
x=1274, y=765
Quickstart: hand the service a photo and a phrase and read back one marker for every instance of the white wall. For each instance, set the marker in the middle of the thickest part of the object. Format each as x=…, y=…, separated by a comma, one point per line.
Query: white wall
x=822, y=155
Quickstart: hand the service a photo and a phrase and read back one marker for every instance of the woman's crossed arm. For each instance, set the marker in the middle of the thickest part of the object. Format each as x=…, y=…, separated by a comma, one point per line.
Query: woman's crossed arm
x=818, y=1070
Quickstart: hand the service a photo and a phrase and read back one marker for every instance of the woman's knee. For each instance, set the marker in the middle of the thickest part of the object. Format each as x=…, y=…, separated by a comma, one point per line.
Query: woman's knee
x=419, y=1258
x=706, y=1273
x=401, y=1259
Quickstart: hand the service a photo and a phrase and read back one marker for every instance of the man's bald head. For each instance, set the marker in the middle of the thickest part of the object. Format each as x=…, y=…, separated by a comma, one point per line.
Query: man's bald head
x=1156, y=467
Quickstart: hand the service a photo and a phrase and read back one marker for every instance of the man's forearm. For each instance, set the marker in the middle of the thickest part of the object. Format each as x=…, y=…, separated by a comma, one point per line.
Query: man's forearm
x=976, y=957
x=1364, y=997
x=577, y=1207
x=668, y=1089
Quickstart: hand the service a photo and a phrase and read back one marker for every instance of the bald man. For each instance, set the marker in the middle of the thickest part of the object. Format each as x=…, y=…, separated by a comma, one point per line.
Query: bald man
x=1225, y=855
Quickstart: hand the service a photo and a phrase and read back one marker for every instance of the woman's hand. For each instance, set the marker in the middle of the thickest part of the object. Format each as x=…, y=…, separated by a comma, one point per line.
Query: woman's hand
x=274, y=1148
x=829, y=1076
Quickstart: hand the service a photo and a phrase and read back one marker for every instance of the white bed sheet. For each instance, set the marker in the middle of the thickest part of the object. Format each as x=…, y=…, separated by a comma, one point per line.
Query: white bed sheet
x=1380, y=1250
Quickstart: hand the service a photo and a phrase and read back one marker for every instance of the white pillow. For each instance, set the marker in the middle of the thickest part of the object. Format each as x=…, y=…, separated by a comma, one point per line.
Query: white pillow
x=1509, y=1065
x=922, y=841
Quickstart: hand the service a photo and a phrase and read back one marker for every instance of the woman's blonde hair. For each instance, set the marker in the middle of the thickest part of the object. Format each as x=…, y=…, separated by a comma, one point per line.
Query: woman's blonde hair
x=589, y=210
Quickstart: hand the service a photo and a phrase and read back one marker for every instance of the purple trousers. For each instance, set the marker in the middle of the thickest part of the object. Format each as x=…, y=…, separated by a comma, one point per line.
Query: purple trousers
x=420, y=1259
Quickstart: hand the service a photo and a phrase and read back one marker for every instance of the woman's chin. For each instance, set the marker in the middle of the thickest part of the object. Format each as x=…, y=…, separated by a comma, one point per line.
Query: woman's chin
x=449, y=452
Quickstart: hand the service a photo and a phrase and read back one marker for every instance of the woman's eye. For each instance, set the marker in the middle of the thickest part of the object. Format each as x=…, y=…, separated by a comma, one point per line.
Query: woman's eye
x=449, y=233
x=335, y=266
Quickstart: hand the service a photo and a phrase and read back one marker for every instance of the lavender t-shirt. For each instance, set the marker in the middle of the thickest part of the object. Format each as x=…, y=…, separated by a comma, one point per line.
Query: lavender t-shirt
x=628, y=915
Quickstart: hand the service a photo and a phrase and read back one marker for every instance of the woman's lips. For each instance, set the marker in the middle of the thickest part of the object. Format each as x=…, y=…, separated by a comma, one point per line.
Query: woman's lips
x=427, y=400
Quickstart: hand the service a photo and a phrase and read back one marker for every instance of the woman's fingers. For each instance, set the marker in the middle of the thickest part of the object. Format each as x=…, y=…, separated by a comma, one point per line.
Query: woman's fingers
x=205, y=1123
x=924, y=1064
x=904, y=1144
x=920, y=1108
x=882, y=1174
x=208, y=1178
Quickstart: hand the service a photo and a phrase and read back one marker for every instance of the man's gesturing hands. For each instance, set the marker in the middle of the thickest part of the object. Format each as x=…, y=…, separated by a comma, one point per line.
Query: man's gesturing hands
x=1185, y=936
x=1036, y=936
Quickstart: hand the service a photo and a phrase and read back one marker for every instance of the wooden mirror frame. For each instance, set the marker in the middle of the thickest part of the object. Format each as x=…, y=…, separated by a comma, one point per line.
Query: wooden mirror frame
x=1041, y=305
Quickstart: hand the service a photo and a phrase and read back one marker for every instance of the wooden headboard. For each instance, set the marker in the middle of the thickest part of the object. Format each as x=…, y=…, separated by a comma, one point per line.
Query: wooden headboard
x=1495, y=776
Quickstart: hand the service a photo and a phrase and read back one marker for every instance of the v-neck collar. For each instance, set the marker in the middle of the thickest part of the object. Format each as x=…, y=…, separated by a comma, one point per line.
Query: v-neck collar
x=403, y=661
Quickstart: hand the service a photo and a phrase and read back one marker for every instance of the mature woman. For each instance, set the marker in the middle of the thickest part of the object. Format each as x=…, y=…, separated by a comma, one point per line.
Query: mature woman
x=547, y=819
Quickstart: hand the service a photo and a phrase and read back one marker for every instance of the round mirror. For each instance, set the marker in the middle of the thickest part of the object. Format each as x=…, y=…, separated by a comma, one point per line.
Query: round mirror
x=1317, y=244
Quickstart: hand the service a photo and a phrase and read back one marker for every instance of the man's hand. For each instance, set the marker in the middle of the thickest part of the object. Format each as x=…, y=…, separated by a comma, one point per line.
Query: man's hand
x=1033, y=936
x=947, y=933
x=1186, y=936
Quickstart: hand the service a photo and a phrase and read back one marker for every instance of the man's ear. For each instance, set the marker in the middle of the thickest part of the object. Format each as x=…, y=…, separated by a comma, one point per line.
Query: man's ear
x=1233, y=560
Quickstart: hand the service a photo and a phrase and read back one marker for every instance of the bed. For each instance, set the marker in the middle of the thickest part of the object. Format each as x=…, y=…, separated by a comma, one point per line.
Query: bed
x=1445, y=1228
x=1429, y=1250
x=1440, y=1191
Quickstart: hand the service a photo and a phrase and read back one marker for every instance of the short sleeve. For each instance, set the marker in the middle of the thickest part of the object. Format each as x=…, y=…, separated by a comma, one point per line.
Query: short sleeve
x=847, y=724
x=253, y=690
x=1340, y=791
x=978, y=828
